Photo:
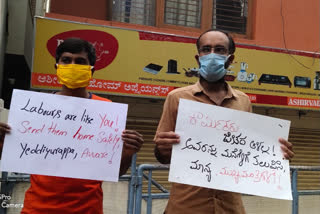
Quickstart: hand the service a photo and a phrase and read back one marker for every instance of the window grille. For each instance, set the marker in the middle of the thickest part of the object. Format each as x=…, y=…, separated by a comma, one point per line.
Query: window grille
x=134, y=11
x=230, y=15
x=183, y=12
x=227, y=15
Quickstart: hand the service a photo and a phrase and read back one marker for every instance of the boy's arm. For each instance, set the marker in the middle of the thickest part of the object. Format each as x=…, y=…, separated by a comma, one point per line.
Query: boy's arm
x=132, y=142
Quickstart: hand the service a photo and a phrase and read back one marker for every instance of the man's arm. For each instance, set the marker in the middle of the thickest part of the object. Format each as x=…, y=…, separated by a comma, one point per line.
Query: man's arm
x=132, y=142
x=163, y=148
x=165, y=136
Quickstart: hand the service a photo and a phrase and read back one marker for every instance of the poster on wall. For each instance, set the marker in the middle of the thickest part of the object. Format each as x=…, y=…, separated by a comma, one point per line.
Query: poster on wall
x=148, y=64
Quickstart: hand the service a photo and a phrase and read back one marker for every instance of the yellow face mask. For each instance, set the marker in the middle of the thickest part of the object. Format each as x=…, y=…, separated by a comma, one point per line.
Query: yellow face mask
x=74, y=75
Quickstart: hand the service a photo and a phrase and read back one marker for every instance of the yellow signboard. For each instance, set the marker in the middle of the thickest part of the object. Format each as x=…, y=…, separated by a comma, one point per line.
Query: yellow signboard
x=151, y=64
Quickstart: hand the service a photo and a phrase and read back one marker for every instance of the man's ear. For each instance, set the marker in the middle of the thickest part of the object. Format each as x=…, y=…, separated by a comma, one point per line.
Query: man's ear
x=92, y=69
x=197, y=58
x=229, y=61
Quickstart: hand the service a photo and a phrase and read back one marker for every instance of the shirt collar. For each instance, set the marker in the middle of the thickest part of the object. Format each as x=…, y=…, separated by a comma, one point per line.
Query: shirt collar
x=198, y=89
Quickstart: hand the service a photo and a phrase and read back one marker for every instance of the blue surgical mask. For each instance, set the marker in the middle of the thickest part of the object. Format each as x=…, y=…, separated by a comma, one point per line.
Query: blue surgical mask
x=212, y=67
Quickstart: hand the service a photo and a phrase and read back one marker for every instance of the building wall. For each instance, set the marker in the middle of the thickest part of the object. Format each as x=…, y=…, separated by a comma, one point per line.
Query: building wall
x=96, y=9
x=295, y=21
x=290, y=24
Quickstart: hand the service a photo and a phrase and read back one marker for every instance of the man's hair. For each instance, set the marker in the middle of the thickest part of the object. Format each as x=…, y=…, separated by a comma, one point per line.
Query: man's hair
x=232, y=46
x=76, y=45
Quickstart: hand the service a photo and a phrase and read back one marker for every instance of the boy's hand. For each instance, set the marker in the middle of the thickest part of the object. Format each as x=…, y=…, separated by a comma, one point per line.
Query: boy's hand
x=132, y=140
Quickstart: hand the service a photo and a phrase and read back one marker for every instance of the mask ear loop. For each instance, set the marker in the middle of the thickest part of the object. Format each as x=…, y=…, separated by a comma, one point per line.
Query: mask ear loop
x=227, y=63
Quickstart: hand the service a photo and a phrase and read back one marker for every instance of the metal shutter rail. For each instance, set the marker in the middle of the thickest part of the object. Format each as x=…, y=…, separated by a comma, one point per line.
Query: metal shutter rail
x=146, y=155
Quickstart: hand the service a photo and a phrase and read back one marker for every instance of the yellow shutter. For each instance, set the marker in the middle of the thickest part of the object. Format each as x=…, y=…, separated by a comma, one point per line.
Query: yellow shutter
x=306, y=145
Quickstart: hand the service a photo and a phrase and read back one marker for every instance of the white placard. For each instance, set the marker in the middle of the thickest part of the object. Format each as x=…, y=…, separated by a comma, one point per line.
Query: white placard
x=64, y=136
x=230, y=150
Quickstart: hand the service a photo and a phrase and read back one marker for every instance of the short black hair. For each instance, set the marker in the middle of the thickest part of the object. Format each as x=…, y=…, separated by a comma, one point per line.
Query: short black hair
x=76, y=45
x=232, y=45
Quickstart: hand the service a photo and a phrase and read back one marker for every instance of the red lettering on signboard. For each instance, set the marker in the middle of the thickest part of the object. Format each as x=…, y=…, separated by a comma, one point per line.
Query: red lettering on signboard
x=303, y=102
x=44, y=80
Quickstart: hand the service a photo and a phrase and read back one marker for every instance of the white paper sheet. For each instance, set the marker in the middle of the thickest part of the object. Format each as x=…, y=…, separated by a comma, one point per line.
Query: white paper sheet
x=230, y=150
x=64, y=136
